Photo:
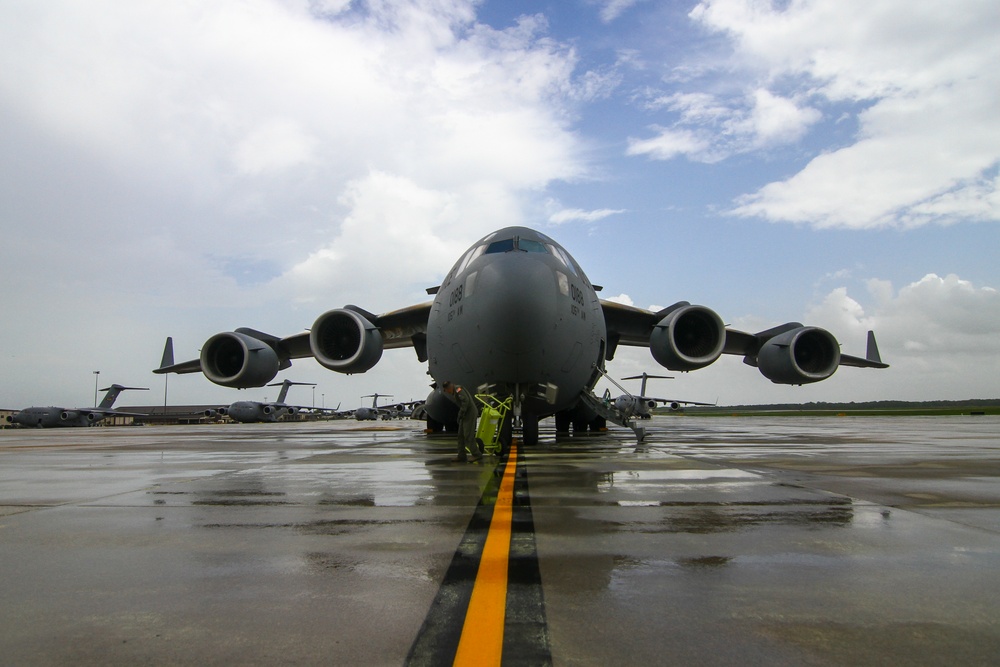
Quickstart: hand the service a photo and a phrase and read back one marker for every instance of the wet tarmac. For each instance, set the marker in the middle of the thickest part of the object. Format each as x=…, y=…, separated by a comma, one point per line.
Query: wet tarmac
x=720, y=541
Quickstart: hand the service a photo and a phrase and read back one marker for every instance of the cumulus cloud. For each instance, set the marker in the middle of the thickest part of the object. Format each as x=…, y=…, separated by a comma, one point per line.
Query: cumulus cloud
x=577, y=214
x=203, y=103
x=940, y=330
x=612, y=9
x=708, y=130
x=920, y=83
x=260, y=156
x=940, y=335
x=622, y=298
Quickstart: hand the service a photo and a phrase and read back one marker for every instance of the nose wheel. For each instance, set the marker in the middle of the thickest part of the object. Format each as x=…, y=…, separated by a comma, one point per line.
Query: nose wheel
x=525, y=423
x=529, y=430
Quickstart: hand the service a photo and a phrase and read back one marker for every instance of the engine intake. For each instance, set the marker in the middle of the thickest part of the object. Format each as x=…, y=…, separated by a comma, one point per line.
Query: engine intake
x=344, y=341
x=799, y=356
x=688, y=338
x=234, y=359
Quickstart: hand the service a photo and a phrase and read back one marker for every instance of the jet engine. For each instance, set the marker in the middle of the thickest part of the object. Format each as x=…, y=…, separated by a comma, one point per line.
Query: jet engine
x=344, y=341
x=688, y=338
x=69, y=415
x=440, y=408
x=799, y=356
x=234, y=359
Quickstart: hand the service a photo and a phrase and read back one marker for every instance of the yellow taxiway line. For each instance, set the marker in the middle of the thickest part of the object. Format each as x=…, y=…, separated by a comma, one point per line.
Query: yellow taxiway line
x=482, y=632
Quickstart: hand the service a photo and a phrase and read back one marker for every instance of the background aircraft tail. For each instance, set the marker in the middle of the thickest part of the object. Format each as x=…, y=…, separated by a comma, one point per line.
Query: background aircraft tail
x=284, y=385
x=112, y=395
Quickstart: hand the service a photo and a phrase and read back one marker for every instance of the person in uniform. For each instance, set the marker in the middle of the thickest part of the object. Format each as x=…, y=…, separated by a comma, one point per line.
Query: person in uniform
x=467, y=417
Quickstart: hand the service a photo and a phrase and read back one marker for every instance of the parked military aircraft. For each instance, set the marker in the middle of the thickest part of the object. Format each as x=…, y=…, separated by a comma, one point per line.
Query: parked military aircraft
x=256, y=411
x=640, y=406
x=516, y=316
x=365, y=413
x=393, y=411
x=51, y=416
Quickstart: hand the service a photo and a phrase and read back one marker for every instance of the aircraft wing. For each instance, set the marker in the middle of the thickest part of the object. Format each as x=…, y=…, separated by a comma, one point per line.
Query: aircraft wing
x=406, y=327
x=111, y=413
x=669, y=401
x=628, y=325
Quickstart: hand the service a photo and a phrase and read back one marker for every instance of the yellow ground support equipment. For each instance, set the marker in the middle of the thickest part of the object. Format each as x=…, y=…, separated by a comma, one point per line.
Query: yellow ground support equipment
x=491, y=422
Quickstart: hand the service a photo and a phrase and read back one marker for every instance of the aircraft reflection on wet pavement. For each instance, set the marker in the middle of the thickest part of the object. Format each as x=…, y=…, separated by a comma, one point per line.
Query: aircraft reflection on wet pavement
x=517, y=317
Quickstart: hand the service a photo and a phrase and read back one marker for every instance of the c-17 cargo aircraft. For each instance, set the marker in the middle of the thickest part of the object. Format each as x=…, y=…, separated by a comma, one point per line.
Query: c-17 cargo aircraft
x=49, y=417
x=365, y=413
x=517, y=317
x=257, y=411
x=641, y=405
x=389, y=411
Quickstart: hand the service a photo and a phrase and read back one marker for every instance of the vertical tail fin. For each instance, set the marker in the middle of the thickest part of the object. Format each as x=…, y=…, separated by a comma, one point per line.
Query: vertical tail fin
x=112, y=395
x=284, y=390
x=168, y=353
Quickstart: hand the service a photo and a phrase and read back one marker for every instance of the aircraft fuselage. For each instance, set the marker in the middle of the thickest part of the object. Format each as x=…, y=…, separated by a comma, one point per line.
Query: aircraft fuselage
x=517, y=314
x=50, y=417
x=253, y=411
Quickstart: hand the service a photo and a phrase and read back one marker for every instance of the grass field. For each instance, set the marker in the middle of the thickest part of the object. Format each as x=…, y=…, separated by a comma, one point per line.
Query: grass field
x=976, y=408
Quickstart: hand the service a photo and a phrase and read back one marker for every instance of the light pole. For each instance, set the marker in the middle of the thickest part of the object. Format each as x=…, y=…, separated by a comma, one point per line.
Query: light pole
x=97, y=376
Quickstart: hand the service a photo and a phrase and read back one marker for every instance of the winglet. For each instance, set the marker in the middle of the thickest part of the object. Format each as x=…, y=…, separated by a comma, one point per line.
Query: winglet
x=872, y=352
x=168, y=353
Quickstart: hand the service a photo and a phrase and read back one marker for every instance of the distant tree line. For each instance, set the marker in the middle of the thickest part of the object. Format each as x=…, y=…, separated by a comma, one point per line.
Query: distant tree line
x=863, y=405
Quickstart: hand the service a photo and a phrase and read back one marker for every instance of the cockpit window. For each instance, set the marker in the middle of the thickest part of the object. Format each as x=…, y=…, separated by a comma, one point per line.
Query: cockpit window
x=469, y=256
x=504, y=245
x=561, y=255
x=516, y=243
x=527, y=245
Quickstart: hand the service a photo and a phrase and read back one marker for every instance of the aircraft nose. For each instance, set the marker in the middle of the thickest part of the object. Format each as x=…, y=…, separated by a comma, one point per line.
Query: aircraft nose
x=522, y=311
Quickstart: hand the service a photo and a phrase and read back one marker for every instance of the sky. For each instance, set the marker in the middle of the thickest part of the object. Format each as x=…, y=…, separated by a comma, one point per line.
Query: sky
x=185, y=168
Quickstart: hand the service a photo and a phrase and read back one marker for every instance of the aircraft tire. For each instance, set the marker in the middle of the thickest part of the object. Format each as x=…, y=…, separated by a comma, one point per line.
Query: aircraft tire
x=529, y=430
x=562, y=423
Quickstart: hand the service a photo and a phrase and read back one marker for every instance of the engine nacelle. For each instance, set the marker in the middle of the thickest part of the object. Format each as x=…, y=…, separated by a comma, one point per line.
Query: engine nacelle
x=69, y=415
x=344, y=341
x=234, y=359
x=213, y=413
x=799, y=356
x=688, y=338
x=440, y=408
